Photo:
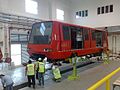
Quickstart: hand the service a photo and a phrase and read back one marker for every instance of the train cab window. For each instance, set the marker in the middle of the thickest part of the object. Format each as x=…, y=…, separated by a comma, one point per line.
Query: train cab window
x=66, y=32
x=98, y=38
x=41, y=33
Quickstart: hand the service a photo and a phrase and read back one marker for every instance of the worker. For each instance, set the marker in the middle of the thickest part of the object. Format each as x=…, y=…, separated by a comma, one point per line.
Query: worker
x=7, y=82
x=56, y=72
x=45, y=60
x=30, y=71
x=36, y=68
x=41, y=71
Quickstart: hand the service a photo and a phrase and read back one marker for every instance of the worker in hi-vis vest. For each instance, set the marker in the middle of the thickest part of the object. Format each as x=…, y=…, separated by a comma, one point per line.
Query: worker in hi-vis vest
x=41, y=71
x=36, y=68
x=30, y=71
x=56, y=72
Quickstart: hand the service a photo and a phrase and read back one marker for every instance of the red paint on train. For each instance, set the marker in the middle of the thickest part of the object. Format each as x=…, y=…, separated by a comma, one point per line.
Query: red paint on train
x=56, y=40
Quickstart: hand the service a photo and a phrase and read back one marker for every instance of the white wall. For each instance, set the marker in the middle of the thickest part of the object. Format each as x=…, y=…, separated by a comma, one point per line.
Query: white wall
x=18, y=7
x=114, y=43
x=46, y=8
x=94, y=20
x=63, y=5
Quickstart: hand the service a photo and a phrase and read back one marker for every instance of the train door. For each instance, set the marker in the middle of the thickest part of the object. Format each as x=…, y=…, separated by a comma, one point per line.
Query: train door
x=65, y=38
x=76, y=38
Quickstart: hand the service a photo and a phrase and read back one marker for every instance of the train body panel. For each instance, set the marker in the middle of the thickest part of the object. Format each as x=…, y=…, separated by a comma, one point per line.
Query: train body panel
x=56, y=40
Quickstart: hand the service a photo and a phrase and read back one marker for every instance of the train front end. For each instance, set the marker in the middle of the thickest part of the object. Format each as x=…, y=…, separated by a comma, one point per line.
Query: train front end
x=40, y=40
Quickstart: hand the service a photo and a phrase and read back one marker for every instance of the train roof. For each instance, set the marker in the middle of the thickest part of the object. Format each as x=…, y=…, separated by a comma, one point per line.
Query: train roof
x=73, y=25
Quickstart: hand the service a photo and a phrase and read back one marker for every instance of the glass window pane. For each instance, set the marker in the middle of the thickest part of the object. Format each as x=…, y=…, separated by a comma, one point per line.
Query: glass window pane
x=60, y=14
x=86, y=13
x=41, y=33
x=98, y=10
x=83, y=14
x=111, y=8
x=31, y=6
x=106, y=9
x=66, y=32
x=98, y=38
x=80, y=13
x=77, y=14
x=16, y=53
x=102, y=10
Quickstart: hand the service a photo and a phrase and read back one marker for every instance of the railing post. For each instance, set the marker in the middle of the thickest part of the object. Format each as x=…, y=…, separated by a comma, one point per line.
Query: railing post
x=108, y=84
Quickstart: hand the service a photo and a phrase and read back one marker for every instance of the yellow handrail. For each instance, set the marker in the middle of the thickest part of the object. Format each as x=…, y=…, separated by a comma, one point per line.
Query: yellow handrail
x=105, y=79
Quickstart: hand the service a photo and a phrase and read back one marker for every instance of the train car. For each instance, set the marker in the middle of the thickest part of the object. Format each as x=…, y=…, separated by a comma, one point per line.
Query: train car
x=1, y=55
x=58, y=41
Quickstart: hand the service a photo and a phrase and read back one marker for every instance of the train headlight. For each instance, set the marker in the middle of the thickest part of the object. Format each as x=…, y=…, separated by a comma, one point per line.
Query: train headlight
x=47, y=49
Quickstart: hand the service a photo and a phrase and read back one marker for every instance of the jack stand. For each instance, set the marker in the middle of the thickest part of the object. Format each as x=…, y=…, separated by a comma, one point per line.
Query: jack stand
x=106, y=57
x=74, y=73
x=106, y=60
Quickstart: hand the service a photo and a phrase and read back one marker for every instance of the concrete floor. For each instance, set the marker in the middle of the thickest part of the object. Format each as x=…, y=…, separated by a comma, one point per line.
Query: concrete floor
x=89, y=75
x=87, y=78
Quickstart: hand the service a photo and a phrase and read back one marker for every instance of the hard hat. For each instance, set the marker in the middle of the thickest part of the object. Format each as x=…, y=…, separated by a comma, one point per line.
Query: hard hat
x=39, y=59
x=45, y=59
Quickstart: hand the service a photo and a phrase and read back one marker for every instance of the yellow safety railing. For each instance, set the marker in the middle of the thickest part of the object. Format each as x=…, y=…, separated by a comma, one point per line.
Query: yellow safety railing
x=104, y=80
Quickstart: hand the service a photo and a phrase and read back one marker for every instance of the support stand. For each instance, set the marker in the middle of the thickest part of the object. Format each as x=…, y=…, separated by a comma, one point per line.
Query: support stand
x=106, y=57
x=74, y=73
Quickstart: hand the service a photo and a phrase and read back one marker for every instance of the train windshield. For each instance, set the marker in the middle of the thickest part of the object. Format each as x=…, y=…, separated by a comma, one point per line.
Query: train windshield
x=41, y=33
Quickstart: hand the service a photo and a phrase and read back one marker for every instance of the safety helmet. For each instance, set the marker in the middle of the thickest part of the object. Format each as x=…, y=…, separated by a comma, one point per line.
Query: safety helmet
x=39, y=59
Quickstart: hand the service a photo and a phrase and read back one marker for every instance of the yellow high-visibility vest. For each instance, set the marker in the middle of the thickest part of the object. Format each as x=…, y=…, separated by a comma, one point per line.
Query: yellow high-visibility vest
x=30, y=69
x=41, y=67
x=56, y=73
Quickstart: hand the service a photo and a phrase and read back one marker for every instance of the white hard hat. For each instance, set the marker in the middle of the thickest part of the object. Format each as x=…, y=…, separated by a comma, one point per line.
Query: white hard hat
x=39, y=59
x=45, y=59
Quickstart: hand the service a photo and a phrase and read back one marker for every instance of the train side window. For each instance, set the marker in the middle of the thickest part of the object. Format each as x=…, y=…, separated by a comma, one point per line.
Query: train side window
x=85, y=34
x=98, y=38
x=93, y=35
x=66, y=32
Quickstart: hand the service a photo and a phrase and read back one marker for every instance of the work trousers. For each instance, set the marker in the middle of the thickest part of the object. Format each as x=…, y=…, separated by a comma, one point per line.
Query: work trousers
x=41, y=78
x=31, y=78
x=36, y=74
x=9, y=87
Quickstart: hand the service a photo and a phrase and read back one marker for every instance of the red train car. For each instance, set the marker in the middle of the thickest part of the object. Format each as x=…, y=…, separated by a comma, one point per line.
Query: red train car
x=58, y=41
